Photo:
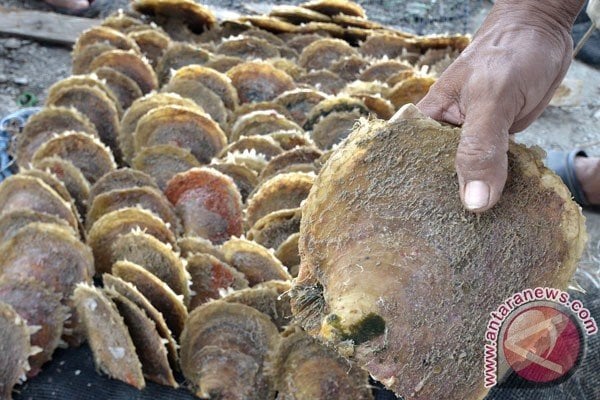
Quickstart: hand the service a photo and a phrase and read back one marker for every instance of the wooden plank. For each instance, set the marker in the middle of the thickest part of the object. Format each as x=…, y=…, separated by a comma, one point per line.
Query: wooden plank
x=44, y=26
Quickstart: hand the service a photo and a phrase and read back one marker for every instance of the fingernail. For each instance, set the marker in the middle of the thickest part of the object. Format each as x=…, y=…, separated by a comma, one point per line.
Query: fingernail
x=477, y=195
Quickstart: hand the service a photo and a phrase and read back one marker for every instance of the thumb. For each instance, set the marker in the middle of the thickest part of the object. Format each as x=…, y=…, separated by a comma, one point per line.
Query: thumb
x=481, y=158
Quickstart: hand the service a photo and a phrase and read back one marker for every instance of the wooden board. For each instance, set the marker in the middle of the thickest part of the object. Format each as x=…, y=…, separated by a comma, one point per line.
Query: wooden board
x=43, y=26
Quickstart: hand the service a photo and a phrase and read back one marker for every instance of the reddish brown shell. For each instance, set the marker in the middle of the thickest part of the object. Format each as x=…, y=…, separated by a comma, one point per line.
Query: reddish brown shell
x=223, y=350
x=109, y=227
x=20, y=192
x=280, y=192
x=16, y=349
x=149, y=345
x=273, y=229
x=39, y=306
x=259, y=81
x=305, y=369
x=253, y=260
x=138, y=109
x=181, y=126
x=207, y=202
x=42, y=126
x=155, y=256
x=130, y=292
x=109, y=339
x=86, y=153
x=146, y=197
x=94, y=104
x=211, y=277
x=163, y=162
x=49, y=253
x=156, y=291
x=130, y=64
x=122, y=178
x=320, y=54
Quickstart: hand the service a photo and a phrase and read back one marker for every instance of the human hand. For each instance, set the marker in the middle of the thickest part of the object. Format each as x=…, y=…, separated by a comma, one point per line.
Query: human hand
x=499, y=85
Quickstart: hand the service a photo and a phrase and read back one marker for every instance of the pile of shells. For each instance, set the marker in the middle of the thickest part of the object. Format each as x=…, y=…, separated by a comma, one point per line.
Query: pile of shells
x=172, y=166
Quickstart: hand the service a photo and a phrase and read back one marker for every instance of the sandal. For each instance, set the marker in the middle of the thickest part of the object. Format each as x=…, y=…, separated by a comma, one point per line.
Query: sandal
x=563, y=164
x=11, y=125
x=90, y=12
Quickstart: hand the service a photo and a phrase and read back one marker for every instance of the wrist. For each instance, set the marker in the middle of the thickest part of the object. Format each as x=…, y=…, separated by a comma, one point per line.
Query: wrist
x=554, y=13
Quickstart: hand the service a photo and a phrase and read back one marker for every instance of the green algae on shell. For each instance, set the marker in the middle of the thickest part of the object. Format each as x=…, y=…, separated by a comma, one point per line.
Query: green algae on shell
x=532, y=237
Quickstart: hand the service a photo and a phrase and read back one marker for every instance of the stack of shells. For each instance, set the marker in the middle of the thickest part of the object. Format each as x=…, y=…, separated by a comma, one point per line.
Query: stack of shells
x=172, y=166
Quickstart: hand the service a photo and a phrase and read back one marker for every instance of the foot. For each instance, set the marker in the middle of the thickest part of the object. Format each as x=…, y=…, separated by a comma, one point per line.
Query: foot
x=69, y=5
x=587, y=170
